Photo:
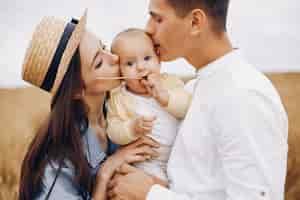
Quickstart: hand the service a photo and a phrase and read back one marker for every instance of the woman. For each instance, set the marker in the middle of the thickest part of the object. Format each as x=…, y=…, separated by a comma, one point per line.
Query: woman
x=64, y=158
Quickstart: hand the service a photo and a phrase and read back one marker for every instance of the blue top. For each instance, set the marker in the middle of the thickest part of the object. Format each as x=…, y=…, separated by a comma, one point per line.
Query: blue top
x=65, y=187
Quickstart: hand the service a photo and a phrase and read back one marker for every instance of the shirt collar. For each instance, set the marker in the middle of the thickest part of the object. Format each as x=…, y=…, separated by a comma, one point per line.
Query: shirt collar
x=219, y=64
x=93, y=150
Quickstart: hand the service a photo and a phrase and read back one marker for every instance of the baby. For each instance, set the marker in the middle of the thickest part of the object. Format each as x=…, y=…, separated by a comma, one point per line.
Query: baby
x=148, y=102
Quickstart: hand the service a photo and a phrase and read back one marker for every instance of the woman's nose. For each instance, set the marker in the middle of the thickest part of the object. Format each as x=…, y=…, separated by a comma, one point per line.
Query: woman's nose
x=113, y=58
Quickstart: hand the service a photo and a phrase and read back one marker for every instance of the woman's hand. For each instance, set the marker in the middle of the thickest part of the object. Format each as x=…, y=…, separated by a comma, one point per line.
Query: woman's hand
x=138, y=151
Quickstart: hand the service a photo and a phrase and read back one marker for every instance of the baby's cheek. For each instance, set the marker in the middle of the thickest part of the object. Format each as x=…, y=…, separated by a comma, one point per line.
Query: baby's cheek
x=129, y=72
x=123, y=70
x=155, y=67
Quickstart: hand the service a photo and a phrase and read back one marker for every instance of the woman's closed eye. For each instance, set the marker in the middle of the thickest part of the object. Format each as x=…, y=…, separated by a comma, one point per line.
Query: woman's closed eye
x=99, y=64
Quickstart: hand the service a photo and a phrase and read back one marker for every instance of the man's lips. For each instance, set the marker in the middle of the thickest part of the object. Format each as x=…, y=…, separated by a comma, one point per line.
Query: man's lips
x=157, y=49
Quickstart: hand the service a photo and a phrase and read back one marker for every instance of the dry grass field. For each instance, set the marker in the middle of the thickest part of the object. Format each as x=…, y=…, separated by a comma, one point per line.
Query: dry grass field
x=22, y=110
x=289, y=89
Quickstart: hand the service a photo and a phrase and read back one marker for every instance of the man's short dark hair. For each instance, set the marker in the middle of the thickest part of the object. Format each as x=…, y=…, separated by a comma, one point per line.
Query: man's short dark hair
x=216, y=9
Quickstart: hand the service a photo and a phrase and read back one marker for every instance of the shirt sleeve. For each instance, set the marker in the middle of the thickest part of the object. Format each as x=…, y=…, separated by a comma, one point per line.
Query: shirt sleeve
x=119, y=119
x=186, y=78
x=250, y=137
x=159, y=192
x=120, y=131
x=179, y=102
x=252, y=146
x=179, y=98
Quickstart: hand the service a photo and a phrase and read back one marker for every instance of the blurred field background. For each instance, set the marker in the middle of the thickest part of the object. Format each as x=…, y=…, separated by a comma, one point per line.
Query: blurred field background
x=23, y=109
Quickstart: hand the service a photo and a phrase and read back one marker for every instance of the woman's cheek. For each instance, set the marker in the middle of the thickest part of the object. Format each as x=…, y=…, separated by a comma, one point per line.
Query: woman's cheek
x=95, y=87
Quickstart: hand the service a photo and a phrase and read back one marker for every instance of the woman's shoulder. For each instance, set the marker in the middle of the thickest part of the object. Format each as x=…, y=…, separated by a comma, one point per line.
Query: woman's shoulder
x=60, y=179
x=55, y=169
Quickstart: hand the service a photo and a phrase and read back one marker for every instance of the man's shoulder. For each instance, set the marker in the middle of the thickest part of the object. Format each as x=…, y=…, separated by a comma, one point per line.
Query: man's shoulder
x=254, y=82
x=244, y=79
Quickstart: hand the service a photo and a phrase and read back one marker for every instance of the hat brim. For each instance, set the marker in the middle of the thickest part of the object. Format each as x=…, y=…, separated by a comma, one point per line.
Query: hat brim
x=70, y=50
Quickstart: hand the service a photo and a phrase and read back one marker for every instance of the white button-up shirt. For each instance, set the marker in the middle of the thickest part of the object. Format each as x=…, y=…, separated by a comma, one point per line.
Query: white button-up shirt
x=232, y=144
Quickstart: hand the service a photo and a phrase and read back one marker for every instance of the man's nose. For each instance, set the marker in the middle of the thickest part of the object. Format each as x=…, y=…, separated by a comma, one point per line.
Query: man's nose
x=149, y=28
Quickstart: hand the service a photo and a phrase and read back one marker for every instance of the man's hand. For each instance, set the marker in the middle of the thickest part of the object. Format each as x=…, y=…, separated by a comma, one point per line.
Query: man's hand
x=143, y=125
x=130, y=184
x=156, y=89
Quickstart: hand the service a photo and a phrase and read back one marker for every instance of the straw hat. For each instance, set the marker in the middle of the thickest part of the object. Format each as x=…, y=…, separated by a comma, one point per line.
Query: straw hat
x=53, y=44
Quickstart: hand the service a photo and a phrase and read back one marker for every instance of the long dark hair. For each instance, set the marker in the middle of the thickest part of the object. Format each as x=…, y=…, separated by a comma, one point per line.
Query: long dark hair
x=59, y=138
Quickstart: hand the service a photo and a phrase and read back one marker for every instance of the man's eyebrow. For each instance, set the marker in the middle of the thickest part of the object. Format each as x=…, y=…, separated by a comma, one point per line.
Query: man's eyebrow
x=153, y=14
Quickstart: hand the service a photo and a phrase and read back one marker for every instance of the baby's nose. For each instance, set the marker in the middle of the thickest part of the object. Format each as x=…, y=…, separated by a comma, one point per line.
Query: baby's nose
x=141, y=67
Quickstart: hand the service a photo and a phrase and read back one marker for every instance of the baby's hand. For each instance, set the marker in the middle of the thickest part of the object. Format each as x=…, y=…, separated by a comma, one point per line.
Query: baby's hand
x=156, y=89
x=143, y=125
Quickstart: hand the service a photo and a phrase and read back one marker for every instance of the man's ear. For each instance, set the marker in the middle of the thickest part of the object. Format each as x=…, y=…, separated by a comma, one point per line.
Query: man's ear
x=198, y=21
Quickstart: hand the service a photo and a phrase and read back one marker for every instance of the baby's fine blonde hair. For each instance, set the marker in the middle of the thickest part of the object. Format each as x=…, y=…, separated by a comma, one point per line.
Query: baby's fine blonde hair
x=130, y=32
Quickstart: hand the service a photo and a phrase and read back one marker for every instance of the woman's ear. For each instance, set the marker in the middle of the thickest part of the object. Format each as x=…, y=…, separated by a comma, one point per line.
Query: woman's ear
x=198, y=21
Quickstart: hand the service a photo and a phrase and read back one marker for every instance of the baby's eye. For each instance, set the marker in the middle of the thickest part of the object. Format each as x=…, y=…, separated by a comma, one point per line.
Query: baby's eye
x=129, y=63
x=147, y=58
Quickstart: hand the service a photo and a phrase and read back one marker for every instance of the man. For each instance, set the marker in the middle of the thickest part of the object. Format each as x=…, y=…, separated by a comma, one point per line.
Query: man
x=233, y=142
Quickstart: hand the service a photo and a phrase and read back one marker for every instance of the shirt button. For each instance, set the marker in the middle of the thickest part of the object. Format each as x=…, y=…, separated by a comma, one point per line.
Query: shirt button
x=263, y=193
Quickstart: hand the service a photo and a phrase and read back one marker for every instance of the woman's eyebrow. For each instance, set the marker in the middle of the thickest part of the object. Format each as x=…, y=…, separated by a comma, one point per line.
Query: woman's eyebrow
x=94, y=58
